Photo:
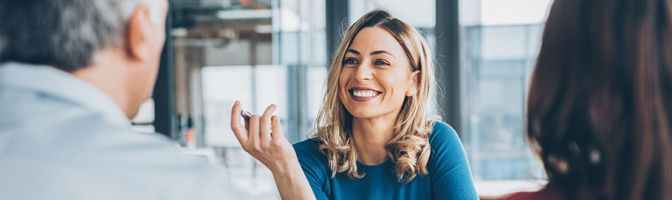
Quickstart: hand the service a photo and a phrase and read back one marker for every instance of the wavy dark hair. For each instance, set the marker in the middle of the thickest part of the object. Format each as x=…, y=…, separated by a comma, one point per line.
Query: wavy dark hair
x=600, y=100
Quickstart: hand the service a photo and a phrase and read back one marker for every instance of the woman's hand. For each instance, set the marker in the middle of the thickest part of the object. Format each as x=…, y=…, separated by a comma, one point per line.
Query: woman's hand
x=264, y=139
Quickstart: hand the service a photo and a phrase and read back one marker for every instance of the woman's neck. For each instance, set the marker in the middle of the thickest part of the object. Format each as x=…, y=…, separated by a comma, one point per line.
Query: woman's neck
x=370, y=137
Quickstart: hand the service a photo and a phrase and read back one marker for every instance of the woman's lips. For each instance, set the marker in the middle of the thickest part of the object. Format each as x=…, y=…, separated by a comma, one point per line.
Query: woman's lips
x=363, y=94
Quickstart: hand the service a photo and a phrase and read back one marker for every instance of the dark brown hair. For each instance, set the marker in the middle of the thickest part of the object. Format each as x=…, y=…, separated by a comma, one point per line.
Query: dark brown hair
x=599, y=103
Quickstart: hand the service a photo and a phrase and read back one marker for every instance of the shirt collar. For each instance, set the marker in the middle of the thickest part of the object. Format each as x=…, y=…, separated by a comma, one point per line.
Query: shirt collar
x=51, y=81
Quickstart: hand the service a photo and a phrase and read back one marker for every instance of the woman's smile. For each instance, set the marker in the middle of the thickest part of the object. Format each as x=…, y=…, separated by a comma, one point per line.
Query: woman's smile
x=363, y=94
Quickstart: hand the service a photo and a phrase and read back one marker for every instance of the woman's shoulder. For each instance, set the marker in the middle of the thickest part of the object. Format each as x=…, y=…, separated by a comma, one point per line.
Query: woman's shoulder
x=307, y=145
x=308, y=152
x=446, y=146
x=442, y=133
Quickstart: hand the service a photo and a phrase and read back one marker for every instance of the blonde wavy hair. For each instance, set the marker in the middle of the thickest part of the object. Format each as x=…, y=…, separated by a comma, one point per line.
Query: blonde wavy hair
x=409, y=148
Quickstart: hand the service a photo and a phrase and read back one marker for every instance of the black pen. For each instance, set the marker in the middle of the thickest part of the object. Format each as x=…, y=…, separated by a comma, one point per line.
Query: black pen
x=245, y=115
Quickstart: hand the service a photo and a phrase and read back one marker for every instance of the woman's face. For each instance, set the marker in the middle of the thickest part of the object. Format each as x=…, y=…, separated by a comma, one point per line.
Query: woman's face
x=376, y=76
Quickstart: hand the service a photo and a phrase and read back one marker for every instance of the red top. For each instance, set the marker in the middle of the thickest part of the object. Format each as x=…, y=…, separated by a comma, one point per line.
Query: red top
x=545, y=194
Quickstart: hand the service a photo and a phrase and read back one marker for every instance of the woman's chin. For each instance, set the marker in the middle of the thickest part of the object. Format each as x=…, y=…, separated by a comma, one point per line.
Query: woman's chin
x=370, y=112
x=366, y=114
x=363, y=114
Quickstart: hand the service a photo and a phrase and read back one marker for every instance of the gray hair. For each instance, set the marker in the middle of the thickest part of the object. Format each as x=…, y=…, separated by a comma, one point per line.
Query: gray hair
x=64, y=33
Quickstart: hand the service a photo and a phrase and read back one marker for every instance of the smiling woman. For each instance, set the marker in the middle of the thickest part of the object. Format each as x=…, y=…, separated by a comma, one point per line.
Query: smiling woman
x=376, y=81
x=373, y=86
x=373, y=135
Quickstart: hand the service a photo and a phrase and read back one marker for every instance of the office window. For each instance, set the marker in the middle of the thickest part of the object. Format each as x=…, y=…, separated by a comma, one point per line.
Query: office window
x=274, y=51
x=260, y=52
x=420, y=13
x=499, y=40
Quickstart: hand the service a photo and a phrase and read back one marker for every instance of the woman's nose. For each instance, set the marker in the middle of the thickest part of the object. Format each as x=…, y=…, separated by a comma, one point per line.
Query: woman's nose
x=364, y=72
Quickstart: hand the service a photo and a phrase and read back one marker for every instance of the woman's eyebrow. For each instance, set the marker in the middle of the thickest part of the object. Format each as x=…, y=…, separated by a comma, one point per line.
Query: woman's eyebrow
x=382, y=52
x=372, y=53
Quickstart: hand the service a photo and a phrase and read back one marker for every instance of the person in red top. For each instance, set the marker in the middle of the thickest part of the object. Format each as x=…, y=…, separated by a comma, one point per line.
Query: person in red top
x=599, y=108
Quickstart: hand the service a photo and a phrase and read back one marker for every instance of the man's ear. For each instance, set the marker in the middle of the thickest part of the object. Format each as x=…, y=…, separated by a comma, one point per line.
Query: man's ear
x=138, y=34
x=413, y=83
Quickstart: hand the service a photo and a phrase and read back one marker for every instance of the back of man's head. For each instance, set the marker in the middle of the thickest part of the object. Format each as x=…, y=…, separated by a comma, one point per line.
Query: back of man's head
x=62, y=33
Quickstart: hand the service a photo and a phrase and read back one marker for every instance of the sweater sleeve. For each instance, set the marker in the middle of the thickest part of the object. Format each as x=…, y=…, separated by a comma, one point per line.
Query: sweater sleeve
x=314, y=167
x=448, y=165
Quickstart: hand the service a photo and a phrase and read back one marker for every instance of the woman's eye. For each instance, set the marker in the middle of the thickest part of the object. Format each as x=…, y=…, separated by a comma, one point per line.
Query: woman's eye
x=381, y=62
x=350, y=61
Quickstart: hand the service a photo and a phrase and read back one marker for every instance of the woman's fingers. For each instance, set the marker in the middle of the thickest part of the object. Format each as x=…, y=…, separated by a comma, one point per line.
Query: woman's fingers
x=238, y=130
x=259, y=131
x=278, y=134
x=263, y=138
x=253, y=133
x=265, y=125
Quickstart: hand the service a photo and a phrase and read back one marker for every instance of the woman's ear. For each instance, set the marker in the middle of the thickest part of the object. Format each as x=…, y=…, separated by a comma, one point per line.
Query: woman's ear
x=413, y=83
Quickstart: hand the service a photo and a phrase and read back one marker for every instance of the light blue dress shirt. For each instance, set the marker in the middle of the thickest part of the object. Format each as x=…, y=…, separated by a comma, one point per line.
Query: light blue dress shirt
x=62, y=138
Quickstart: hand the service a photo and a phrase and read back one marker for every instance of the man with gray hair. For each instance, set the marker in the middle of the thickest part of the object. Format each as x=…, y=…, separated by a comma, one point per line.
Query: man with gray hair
x=72, y=74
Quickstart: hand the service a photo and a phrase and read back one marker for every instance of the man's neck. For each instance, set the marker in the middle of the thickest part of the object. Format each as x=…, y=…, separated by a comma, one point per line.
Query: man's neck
x=107, y=73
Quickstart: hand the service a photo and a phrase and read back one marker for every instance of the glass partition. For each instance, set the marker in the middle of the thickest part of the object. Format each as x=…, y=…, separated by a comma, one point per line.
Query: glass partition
x=260, y=52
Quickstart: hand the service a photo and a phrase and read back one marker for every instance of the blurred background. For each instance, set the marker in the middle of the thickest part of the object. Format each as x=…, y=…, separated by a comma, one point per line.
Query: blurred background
x=278, y=51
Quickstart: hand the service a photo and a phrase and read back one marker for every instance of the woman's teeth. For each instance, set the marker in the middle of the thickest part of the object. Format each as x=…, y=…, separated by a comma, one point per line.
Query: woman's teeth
x=364, y=93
